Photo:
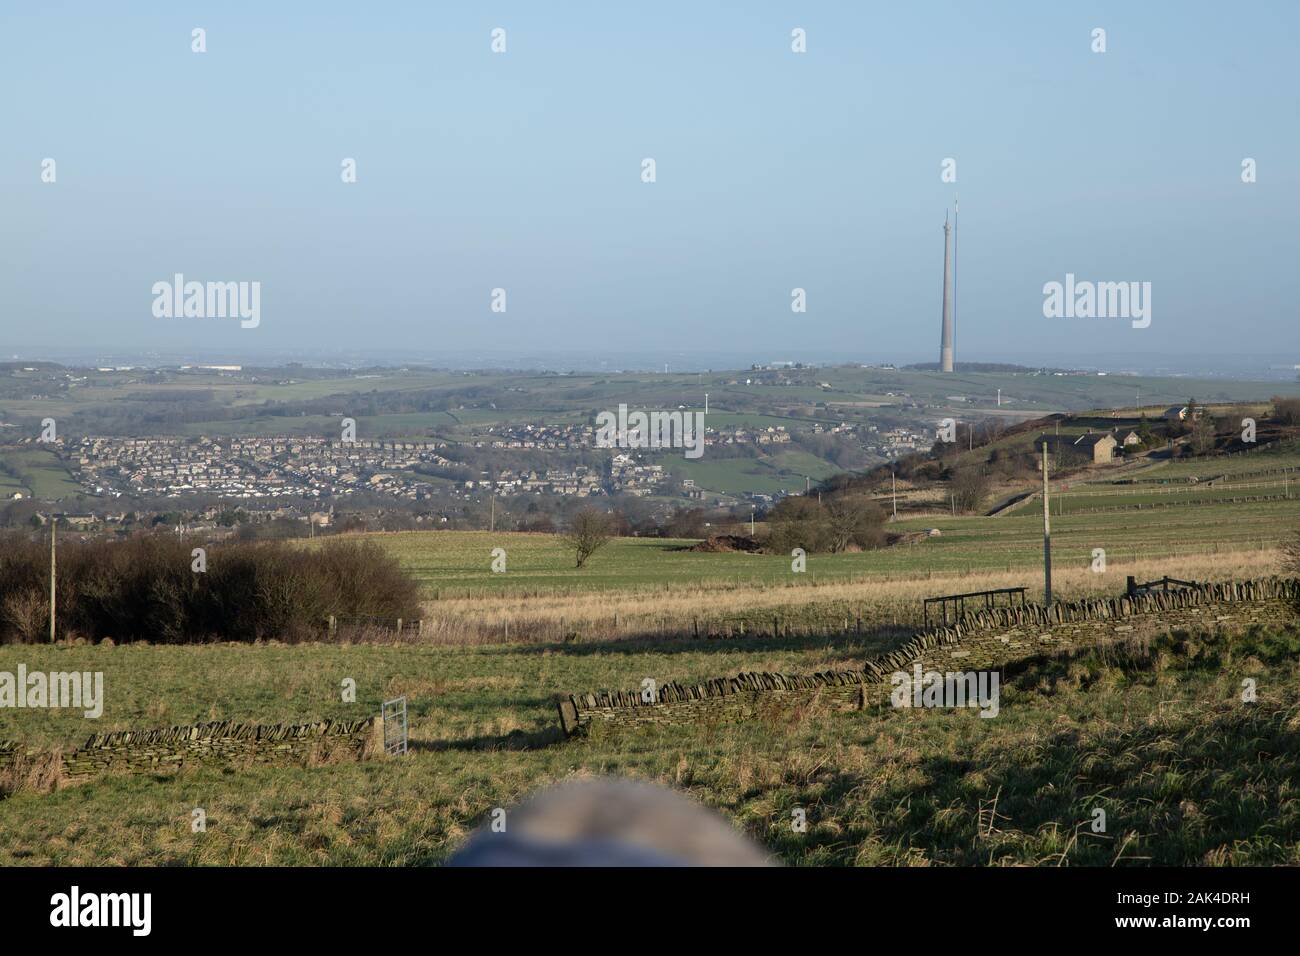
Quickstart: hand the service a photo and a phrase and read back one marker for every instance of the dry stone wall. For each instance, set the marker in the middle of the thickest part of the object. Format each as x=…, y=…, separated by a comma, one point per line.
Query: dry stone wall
x=979, y=640
x=987, y=638
x=220, y=742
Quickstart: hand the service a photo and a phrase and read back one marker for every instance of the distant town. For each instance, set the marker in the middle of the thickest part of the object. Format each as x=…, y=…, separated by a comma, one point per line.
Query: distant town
x=306, y=467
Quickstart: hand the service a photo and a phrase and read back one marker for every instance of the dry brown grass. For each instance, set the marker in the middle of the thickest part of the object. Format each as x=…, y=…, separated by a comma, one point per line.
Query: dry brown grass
x=41, y=772
x=659, y=610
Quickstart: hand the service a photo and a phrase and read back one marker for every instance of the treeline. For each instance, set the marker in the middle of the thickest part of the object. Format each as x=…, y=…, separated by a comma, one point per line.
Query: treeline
x=149, y=588
x=1286, y=411
x=843, y=523
x=959, y=367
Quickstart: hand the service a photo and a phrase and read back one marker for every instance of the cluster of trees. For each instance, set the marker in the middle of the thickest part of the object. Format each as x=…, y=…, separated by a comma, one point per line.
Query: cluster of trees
x=839, y=523
x=1286, y=411
x=155, y=588
x=843, y=451
x=969, y=487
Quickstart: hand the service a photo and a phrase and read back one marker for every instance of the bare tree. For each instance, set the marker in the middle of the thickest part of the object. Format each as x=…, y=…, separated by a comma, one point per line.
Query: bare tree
x=1291, y=555
x=853, y=519
x=970, y=486
x=589, y=531
x=1203, y=433
x=1286, y=410
x=27, y=613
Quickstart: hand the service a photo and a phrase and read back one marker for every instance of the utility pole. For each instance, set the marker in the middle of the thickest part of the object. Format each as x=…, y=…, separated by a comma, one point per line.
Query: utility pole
x=706, y=403
x=1047, y=536
x=54, y=523
x=751, y=521
x=999, y=398
x=807, y=485
x=893, y=491
x=493, y=525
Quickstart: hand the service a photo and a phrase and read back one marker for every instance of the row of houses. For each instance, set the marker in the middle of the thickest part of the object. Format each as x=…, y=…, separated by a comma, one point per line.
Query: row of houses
x=247, y=468
x=626, y=474
x=584, y=436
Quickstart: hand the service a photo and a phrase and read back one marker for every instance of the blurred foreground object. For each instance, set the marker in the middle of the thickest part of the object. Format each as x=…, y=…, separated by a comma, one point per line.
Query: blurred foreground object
x=610, y=822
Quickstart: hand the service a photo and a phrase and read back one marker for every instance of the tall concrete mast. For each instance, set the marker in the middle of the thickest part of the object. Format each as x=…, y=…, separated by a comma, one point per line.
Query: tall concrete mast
x=955, y=216
x=946, y=343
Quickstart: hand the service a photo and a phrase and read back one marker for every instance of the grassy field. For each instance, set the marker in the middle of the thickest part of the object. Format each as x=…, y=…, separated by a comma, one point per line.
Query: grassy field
x=1286, y=455
x=38, y=472
x=1185, y=485
x=412, y=426
x=1156, y=736
x=767, y=474
x=457, y=563
x=1159, y=741
x=830, y=599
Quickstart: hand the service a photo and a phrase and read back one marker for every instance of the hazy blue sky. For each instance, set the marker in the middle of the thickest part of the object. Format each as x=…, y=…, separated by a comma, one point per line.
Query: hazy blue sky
x=775, y=170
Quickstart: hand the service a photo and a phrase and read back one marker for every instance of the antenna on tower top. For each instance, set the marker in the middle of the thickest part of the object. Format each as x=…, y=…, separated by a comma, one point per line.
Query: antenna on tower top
x=955, y=206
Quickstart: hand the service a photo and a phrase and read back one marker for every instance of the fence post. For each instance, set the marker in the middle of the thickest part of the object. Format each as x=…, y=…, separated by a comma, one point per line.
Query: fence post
x=333, y=625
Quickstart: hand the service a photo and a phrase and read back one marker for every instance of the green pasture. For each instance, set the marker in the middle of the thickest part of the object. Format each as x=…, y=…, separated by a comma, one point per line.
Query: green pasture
x=1198, y=496
x=1162, y=743
x=457, y=563
x=770, y=473
x=39, y=471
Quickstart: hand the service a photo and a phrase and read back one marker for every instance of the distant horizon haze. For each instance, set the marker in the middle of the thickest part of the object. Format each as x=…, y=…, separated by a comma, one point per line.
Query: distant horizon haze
x=1218, y=365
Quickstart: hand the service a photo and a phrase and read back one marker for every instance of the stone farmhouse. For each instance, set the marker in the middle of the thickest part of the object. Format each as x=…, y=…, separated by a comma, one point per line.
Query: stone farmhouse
x=1099, y=446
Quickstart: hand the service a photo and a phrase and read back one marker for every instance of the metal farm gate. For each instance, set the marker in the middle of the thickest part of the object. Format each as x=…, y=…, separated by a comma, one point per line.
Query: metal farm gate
x=394, y=717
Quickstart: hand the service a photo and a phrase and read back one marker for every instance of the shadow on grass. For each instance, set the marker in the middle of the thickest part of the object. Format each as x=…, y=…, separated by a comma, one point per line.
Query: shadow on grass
x=876, y=641
x=1211, y=785
x=538, y=739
